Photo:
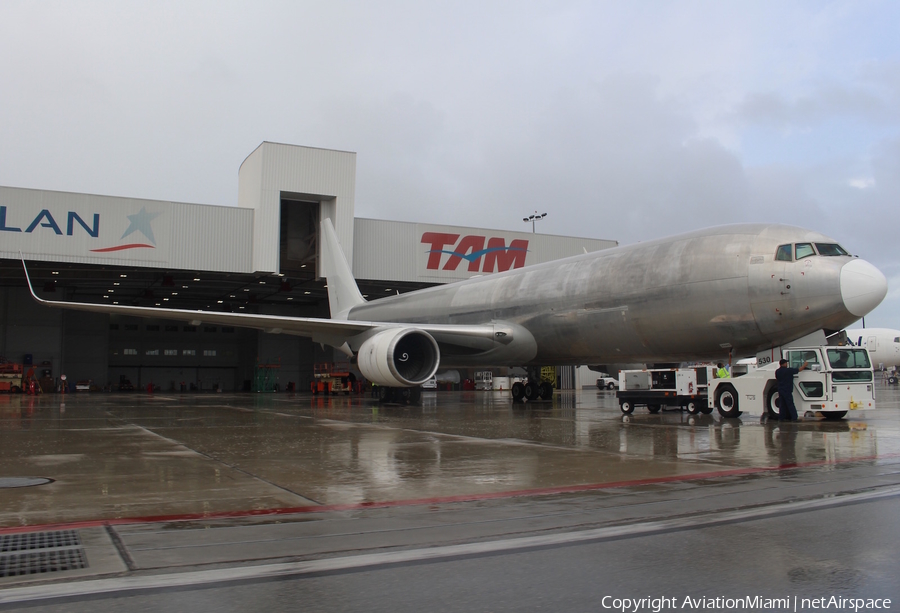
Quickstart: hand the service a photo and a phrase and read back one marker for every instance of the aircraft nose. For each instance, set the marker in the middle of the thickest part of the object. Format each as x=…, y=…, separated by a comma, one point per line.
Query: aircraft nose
x=863, y=287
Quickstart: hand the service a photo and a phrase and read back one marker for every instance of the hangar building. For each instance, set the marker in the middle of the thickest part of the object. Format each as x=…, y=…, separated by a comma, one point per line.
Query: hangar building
x=261, y=256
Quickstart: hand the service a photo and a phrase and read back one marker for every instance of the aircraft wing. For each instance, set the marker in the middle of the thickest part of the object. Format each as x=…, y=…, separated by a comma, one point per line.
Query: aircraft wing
x=334, y=332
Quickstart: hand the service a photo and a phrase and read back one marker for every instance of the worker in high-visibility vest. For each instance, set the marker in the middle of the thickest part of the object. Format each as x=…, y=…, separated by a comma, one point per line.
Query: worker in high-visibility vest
x=722, y=372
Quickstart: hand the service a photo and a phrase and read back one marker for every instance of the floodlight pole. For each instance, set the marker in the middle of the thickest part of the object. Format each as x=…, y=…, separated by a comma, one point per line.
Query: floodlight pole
x=534, y=218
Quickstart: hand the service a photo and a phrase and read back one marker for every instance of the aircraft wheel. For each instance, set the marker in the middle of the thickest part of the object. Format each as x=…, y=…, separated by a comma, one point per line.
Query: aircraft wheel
x=626, y=407
x=532, y=391
x=415, y=395
x=518, y=391
x=692, y=408
x=385, y=394
x=546, y=391
x=611, y=386
x=834, y=415
x=773, y=403
x=654, y=408
x=727, y=401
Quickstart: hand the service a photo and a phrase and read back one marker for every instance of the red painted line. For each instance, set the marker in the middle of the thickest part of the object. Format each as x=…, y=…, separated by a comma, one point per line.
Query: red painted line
x=548, y=491
x=123, y=247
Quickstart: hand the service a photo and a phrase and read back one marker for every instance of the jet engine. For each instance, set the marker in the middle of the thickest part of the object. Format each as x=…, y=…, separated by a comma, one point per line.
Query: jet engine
x=399, y=357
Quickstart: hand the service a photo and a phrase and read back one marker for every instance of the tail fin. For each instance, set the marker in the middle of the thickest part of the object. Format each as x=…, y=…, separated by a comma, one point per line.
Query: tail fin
x=343, y=293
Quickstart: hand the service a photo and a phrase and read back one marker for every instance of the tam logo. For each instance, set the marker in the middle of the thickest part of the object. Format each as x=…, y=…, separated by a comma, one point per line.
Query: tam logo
x=495, y=257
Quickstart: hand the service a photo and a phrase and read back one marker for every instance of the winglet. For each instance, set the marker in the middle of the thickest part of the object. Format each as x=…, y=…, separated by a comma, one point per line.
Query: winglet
x=343, y=293
x=28, y=278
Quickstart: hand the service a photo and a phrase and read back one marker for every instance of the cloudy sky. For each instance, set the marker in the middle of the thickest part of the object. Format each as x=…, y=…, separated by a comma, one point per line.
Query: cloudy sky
x=621, y=120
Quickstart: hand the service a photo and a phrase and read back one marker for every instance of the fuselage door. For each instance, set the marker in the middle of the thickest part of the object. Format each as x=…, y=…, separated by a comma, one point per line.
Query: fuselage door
x=872, y=344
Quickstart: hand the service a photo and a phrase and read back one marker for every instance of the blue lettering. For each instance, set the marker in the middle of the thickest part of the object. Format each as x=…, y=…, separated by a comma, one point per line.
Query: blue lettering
x=3, y=226
x=73, y=217
x=50, y=223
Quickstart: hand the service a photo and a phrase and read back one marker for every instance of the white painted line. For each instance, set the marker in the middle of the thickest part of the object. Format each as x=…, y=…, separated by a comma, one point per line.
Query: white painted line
x=225, y=575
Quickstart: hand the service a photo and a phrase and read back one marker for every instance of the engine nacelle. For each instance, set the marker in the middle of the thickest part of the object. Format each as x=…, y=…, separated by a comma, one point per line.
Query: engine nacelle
x=399, y=357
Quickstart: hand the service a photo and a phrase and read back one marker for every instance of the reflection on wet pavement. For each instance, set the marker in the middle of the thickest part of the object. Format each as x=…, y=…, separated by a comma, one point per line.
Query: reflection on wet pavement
x=119, y=455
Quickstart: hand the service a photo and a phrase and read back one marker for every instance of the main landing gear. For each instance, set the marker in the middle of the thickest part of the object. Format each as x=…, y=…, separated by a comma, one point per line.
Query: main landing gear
x=532, y=389
x=399, y=395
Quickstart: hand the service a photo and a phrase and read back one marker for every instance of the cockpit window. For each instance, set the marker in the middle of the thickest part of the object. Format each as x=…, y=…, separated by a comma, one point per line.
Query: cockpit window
x=830, y=249
x=804, y=250
x=897, y=339
x=784, y=253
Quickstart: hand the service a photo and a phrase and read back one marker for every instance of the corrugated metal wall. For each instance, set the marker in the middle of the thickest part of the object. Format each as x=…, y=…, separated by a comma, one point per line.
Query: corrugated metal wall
x=398, y=251
x=322, y=175
x=89, y=229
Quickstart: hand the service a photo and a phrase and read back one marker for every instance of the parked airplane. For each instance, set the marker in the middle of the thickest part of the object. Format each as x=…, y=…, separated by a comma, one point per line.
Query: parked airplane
x=883, y=345
x=740, y=288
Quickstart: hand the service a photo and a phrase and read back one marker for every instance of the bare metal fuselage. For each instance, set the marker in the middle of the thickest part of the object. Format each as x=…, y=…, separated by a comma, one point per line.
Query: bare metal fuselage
x=691, y=296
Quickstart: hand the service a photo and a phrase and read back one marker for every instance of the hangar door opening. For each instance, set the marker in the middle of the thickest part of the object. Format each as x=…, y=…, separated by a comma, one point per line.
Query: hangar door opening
x=299, y=238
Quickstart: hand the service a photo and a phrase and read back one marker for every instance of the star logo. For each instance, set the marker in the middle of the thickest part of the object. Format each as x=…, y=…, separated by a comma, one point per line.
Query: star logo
x=140, y=222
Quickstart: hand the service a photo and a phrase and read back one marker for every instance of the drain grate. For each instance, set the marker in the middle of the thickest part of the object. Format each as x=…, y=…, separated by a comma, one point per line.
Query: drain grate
x=39, y=540
x=40, y=552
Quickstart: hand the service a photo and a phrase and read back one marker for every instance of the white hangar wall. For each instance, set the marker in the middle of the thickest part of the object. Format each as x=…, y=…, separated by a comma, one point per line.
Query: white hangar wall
x=89, y=229
x=426, y=253
x=275, y=171
x=106, y=230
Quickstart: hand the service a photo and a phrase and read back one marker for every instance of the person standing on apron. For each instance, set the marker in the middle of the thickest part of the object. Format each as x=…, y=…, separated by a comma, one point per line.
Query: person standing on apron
x=785, y=378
